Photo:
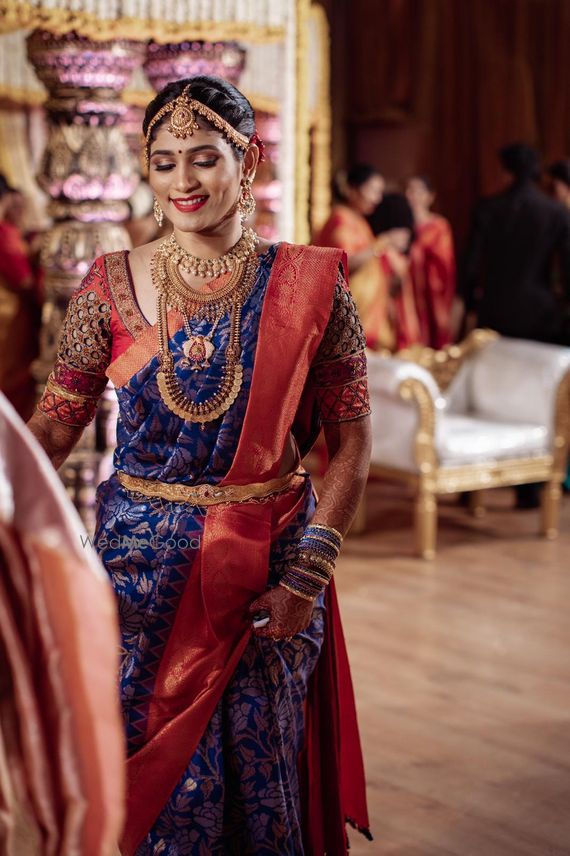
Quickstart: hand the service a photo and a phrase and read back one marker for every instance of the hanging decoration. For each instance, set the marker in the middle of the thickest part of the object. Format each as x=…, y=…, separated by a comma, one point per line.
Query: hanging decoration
x=168, y=21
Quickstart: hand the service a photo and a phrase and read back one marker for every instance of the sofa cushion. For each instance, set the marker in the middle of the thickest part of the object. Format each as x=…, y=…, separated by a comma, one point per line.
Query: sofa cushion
x=464, y=440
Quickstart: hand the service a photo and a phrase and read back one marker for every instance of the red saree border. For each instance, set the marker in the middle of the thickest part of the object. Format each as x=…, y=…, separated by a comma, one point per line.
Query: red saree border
x=232, y=565
x=288, y=342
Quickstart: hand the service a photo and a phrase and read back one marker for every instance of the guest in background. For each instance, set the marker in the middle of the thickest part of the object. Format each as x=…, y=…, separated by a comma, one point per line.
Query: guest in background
x=393, y=223
x=19, y=309
x=559, y=173
x=359, y=191
x=517, y=238
x=432, y=265
x=21, y=214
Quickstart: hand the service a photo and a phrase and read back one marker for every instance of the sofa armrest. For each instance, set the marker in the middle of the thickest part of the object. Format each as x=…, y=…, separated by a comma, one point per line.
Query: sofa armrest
x=386, y=375
x=404, y=400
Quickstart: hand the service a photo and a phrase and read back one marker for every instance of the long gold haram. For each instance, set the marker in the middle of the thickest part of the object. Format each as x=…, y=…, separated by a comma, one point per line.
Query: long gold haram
x=170, y=390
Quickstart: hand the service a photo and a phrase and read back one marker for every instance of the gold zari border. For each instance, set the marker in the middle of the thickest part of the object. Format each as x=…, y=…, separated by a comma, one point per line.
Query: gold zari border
x=206, y=494
x=54, y=387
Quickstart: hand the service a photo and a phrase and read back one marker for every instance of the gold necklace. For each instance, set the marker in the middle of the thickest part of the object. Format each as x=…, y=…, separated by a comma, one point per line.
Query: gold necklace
x=189, y=301
x=213, y=267
x=169, y=387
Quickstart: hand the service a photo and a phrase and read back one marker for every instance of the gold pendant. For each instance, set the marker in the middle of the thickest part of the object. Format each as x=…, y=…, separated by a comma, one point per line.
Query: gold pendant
x=198, y=351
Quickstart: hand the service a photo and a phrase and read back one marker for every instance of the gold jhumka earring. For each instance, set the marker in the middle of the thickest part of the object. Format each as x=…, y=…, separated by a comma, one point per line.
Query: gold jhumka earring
x=246, y=201
x=158, y=213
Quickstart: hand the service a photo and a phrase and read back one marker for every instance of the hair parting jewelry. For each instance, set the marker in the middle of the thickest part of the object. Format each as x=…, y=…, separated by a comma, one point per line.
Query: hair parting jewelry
x=183, y=122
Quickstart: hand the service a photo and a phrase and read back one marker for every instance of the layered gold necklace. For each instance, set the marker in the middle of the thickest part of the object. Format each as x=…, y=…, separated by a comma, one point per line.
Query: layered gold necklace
x=212, y=268
x=173, y=290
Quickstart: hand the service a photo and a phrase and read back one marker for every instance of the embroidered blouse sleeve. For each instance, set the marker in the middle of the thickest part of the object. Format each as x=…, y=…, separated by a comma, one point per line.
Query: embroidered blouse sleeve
x=338, y=372
x=78, y=377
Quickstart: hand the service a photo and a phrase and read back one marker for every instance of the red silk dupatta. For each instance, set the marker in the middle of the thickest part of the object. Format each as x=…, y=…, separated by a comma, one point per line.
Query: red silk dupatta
x=212, y=629
x=433, y=271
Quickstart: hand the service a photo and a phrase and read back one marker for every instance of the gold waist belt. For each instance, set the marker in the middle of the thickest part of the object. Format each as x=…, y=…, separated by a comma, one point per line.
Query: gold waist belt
x=206, y=494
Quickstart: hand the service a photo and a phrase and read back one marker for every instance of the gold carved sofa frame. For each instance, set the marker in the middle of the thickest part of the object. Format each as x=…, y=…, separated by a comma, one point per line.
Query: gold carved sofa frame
x=430, y=479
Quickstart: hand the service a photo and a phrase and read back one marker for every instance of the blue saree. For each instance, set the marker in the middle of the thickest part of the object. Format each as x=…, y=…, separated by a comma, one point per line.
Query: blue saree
x=235, y=787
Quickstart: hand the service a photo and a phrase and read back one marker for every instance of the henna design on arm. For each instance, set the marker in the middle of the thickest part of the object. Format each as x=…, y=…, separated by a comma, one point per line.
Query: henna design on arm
x=349, y=445
x=289, y=614
x=56, y=439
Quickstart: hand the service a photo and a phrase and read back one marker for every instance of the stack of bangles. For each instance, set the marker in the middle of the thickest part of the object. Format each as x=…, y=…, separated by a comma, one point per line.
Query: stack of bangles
x=312, y=569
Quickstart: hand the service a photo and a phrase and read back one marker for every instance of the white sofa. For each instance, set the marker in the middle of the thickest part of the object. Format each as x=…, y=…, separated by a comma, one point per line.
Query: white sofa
x=500, y=415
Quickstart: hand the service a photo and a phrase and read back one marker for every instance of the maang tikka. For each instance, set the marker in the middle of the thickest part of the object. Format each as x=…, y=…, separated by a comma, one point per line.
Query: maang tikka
x=183, y=121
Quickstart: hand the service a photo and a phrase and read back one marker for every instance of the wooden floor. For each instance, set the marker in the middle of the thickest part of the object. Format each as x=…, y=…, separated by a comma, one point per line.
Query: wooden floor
x=462, y=673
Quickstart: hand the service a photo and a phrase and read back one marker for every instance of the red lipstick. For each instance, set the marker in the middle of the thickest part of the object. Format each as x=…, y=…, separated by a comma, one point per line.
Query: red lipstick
x=187, y=204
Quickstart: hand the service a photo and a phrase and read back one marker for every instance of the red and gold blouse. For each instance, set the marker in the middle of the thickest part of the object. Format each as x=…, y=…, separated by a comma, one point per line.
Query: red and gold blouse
x=105, y=335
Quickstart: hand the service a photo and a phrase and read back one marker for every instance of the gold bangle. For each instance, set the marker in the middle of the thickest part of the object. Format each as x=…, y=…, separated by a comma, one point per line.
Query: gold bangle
x=322, y=540
x=298, y=593
x=305, y=558
x=312, y=575
x=326, y=529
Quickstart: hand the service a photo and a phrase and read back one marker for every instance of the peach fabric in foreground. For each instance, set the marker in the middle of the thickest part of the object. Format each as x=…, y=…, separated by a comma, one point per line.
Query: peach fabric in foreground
x=61, y=738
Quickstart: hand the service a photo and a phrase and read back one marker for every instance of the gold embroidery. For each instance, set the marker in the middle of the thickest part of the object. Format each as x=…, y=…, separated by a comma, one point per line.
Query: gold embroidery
x=118, y=278
x=54, y=387
x=207, y=494
x=344, y=335
x=86, y=339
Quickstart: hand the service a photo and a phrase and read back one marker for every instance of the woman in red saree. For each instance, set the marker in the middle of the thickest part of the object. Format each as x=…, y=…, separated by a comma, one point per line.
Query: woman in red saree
x=227, y=354
x=433, y=267
x=19, y=312
x=348, y=229
x=392, y=223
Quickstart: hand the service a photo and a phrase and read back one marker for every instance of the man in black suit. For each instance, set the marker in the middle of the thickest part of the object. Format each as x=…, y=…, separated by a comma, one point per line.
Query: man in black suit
x=518, y=239
x=519, y=247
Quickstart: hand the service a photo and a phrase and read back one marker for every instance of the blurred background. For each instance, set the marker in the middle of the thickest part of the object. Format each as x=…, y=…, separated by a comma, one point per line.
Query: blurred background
x=437, y=87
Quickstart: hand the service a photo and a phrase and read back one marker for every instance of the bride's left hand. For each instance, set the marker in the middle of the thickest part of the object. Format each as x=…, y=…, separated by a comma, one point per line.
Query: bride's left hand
x=288, y=613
